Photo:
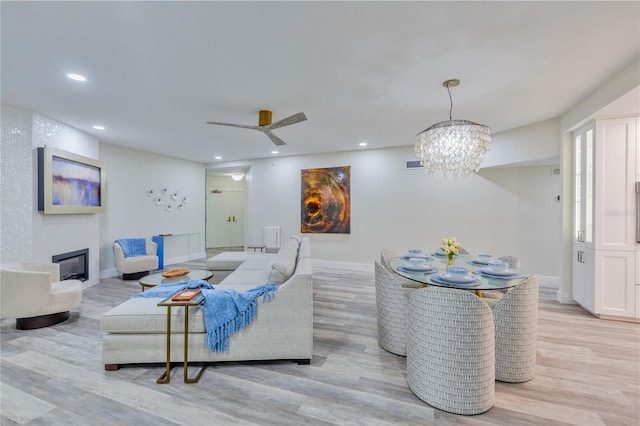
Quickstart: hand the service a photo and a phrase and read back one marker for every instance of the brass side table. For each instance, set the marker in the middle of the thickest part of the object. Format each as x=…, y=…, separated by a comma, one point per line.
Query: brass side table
x=166, y=376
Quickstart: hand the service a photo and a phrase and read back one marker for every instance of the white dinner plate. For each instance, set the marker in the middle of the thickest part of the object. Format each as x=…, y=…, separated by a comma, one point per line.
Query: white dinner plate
x=411, y=268
x=457, y=279
x=481, y=262
x=505, y=273
x=437, y=278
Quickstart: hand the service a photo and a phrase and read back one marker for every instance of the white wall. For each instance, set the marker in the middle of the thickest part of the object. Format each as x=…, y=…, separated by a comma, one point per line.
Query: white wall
x=27, y=234
x=131, y=213
x=526, y=144
x=502, y=210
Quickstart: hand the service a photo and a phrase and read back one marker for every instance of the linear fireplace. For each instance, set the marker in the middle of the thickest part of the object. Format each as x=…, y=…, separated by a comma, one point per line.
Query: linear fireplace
x=74, y=265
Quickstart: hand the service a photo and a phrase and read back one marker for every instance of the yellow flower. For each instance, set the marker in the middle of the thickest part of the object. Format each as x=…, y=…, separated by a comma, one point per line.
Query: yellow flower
x=451, y=247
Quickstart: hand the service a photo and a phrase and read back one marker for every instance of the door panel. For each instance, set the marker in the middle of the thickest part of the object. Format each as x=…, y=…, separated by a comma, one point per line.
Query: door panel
x=225, y=219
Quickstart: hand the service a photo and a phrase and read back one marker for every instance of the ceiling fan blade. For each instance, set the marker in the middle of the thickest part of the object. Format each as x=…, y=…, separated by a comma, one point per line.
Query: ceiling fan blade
x=243, y=126
x=276, y=140
x=292, y=119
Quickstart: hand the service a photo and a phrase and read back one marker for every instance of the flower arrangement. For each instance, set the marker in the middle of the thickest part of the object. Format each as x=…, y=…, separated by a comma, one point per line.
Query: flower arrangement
x=450, y=247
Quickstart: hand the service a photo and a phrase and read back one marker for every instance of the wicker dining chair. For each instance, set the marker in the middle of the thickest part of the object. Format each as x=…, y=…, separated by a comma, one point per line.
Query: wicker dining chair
x=514, y=263
x=516, y=322
x=392, y=309
x=451, y=350
x=386, y=256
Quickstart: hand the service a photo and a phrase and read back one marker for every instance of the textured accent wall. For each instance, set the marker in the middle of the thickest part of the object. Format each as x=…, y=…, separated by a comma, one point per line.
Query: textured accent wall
x=27, y=234
x=16, y=183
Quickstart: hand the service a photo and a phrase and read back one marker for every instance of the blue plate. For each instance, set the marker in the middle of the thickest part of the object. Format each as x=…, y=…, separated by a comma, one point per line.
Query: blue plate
x=500, y=277
x=440, y=280
x=411, y=270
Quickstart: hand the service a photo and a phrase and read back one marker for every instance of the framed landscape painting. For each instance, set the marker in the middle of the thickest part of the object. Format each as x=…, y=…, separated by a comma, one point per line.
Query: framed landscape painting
x=69, y=183
x=326, y=200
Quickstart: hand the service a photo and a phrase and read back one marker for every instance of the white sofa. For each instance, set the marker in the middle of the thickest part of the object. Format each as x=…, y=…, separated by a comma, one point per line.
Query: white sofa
x=223, y=264
x=283, y=328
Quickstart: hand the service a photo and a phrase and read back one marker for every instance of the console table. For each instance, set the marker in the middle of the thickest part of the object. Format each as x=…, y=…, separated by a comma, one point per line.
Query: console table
x=160, y=241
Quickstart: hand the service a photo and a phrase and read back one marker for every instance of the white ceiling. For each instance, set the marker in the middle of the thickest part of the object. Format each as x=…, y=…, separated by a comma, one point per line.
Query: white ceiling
x=361, y=71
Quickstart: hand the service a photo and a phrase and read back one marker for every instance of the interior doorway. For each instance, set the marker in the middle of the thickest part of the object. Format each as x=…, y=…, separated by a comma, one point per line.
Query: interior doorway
x=225, y=212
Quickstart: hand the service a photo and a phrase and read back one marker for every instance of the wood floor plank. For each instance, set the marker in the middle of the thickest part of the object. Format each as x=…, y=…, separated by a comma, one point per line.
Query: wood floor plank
x=22, y=407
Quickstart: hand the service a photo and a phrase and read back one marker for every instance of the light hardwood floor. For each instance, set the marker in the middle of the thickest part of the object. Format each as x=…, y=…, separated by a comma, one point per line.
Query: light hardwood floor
x=587, y=373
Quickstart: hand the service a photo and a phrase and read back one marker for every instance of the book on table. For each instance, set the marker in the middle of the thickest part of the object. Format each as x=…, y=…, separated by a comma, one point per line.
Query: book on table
x=185, y=295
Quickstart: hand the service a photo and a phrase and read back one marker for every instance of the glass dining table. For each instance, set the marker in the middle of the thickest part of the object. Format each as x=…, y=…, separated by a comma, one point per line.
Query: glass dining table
x=480, y=277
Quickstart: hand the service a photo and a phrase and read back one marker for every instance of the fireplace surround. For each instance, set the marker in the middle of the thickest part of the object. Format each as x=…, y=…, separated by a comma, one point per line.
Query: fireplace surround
x=74, y=265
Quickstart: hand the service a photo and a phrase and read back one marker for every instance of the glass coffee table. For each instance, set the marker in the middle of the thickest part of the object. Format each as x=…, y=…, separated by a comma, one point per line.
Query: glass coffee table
x=157, y=279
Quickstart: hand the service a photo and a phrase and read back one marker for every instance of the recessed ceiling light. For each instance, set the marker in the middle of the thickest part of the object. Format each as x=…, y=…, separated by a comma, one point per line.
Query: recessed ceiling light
x=363, y=144
x=98, y=127
x=275, y=152
x=77, y=77
x=217, y=157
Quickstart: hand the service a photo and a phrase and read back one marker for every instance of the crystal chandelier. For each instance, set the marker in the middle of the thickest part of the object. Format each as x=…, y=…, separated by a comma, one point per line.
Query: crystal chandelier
x=453, y=147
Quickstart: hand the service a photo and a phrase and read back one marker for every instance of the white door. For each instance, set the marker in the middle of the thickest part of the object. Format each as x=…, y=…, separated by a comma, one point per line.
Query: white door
x=236, y=204
x=225, y=219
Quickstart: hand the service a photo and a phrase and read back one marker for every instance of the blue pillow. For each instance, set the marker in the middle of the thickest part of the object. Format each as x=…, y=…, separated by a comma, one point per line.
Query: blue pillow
x=132, y=247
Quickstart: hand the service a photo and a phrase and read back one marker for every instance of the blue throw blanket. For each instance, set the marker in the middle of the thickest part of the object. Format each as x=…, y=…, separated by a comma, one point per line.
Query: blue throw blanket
x=225, y=310
x=133, y=246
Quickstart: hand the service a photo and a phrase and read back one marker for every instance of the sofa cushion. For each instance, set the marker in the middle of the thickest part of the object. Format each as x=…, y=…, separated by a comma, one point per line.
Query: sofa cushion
x=291, y=243
x=253, y=277
x=231, y=260
x=296, y=238
x=282, y=266
x=141, y=315
x=255, y=264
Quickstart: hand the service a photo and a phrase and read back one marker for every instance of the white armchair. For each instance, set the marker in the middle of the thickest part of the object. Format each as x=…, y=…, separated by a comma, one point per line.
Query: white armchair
x=135, y=267
x=34, y=295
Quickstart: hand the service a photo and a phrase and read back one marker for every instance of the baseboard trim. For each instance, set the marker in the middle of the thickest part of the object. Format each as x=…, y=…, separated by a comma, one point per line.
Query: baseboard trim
x=549, y=281
x=109, y=273
x=565, y=298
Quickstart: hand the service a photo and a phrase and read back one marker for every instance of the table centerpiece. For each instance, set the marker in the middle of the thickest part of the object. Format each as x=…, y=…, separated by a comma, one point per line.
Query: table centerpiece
x=450, y=247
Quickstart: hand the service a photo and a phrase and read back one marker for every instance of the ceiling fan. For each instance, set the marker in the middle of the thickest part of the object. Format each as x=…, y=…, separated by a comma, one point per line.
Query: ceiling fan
x=266, y=126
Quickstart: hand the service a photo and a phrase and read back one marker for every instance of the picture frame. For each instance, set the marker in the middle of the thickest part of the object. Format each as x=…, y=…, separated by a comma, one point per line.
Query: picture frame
x=325, y=196
x=69, y=183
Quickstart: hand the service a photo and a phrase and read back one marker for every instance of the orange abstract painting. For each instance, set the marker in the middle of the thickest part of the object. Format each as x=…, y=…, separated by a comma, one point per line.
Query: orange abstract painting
x=326, y=200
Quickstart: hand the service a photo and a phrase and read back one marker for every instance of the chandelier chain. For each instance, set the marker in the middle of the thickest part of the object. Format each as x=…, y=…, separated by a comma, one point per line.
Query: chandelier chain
x=450, y=102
